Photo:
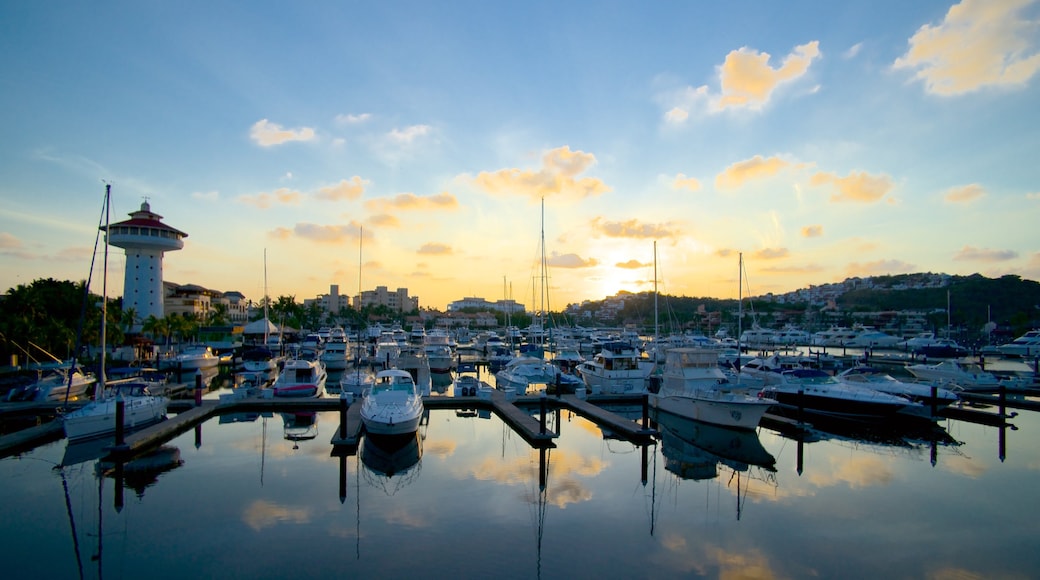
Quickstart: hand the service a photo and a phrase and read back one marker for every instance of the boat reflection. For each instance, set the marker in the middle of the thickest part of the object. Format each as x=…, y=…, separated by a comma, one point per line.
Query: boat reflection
x=300, y=426
x=387, y=457
x=143, y=471
x=694, y=450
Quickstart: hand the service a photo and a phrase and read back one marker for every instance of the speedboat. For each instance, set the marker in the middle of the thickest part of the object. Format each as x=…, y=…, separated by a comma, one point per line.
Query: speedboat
x=258, y=359
x=525, y=371
x=192, y=357
x=815, y=392
x=693, y=386
x=942, y=348
x=356, y=381
x=966, y=375
x=1024, y=346
x=55, y=387
x=393, y=405
x=301, y=377
x=618, y=368
x=98, y=417
x=879, y=380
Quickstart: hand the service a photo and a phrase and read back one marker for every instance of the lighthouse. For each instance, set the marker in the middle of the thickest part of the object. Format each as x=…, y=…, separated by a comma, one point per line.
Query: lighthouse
x=145, y=239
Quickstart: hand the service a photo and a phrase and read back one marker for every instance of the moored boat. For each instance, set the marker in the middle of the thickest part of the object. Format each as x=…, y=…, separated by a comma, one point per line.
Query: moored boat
x=301, y=377
x=392, y=405
x=693, y=386
x=815, y=392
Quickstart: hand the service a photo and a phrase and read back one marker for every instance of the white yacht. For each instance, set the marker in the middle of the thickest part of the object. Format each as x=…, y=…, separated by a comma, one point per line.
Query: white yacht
x=301, y=377
x=693, y=386
x=393, y=405
x=618, y=368
x=1024, y=346
x=98, y=417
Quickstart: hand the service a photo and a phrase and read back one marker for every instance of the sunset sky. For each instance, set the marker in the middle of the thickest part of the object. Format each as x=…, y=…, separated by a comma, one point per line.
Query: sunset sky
x=821, y=139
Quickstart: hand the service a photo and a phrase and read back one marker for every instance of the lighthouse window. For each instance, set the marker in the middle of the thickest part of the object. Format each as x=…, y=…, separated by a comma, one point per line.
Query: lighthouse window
x=134, y=230
x=153, y=233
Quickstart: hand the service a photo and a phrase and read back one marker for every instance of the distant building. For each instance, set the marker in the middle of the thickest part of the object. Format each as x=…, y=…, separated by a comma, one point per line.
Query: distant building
x=332, y=302
x=190, y=299
x=508, y=306
x=398, y=301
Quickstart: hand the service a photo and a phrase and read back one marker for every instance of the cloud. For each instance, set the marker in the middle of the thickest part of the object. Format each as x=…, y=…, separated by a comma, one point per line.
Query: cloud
x=344, y=190
x=757, y=167
x=807, y=269
x=384, y=219
x=853, y=50
x=408, y=135
x=264, y=200
x=631, y=229
x=266, y=133
x=206, y=195
x=570, y=261
x=676, y=116
x=280, y=234
x=410, y=201
x=724, y=252
x=263, y=514
x=880, y=267
x=856, y=186
x=964, y=193
x=632, y=265
x=557, y=176
x=347, y=119
x=979, y=43
x=1033, y=195
x=747, y=80
x=326, y=234
x=968, y=253
x=813, y=231
x=683, y=182
x=9, y=242
x=770, y=254
x=435, y=249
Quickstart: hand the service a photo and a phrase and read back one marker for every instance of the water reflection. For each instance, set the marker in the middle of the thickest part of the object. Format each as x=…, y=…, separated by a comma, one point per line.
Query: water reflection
x=300, y=426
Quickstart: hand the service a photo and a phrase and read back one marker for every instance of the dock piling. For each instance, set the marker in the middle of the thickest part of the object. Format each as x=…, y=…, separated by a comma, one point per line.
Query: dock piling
x=120, y=415
x=198, y=388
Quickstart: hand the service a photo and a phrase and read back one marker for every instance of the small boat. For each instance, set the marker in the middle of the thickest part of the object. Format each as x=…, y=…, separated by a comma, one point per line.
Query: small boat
x=879, y=380
x=257, y=359
x=525, y=371
x=942, y=348
x=300, y=426
x=98, y=417
x=966, y=375
x=1026, y=345
x=815, y=392
x=356, y=381
x=693, y=386
x=336, y=354
x=301, y=377
x=198, y=356
x=393, y=405
x=55, y=387
x=618, y=368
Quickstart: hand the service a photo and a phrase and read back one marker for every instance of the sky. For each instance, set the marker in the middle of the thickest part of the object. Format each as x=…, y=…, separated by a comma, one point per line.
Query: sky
x=413, y=144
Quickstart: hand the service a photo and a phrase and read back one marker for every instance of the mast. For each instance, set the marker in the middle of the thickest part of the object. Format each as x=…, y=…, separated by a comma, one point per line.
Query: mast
x=656, y=329
x=267, y=321
x=740, y=305
x=104, y=290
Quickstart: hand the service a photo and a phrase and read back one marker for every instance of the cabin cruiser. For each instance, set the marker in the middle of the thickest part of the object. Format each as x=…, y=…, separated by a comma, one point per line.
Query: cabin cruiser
x=618, y=368
x=301, y=377
x=693, y=386
x=55, y=387
x=966, y=375
x=393, y=405
x=98, y=417
x=1024, y=346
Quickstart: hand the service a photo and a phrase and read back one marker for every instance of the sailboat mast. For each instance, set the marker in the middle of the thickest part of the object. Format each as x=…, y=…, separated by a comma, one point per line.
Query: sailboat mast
x=656, y=329
x=266, y=300
x=740, y=300
x=104, y=288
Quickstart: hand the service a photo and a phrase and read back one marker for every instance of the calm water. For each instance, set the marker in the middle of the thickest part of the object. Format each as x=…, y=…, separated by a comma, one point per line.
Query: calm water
x=245, y=497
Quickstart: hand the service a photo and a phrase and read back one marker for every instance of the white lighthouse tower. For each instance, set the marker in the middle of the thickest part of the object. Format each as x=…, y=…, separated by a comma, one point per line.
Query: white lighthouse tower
x=145, y=239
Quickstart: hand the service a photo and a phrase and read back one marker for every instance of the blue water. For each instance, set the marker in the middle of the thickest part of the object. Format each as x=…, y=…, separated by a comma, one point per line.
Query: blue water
x=241, y=500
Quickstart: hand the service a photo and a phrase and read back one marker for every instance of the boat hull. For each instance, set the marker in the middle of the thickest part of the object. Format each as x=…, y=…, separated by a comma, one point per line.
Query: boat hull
x=99, y=417
x=398, y=425
x=737, y=413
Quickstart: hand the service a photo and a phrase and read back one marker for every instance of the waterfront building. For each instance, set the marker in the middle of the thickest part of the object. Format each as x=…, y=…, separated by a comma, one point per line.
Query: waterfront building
x=398, y=301
x=146, y=239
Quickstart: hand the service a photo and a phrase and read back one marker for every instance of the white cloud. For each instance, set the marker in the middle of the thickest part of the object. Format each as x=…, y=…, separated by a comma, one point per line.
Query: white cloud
x=266, y=133
x=979, y=43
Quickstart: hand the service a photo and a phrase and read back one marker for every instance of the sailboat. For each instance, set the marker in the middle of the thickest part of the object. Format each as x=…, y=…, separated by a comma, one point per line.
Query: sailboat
x=139, y=407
